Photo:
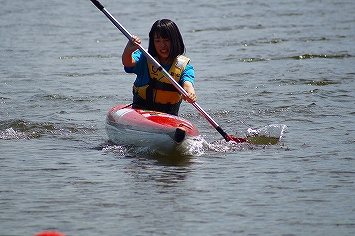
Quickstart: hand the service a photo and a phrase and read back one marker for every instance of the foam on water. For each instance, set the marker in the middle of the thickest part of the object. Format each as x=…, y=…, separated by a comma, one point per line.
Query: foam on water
x=10, y=133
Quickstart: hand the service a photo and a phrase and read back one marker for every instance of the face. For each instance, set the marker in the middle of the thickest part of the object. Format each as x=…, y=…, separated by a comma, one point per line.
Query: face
x=162, y=46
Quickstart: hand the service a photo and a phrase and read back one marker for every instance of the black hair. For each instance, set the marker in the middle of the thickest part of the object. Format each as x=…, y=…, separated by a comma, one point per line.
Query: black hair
x=166, y=28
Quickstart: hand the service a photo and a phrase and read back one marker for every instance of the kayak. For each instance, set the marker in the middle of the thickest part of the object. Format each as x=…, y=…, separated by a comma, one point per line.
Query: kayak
x=161, y=132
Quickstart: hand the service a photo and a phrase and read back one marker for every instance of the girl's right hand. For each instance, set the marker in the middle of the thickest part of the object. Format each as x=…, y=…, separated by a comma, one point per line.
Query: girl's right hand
x=133, y=44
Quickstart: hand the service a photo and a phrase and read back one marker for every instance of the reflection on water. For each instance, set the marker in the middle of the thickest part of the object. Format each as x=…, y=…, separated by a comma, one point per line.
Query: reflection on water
x=145, y=153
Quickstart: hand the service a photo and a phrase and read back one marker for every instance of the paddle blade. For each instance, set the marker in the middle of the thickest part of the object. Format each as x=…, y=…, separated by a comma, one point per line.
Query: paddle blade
x=262, y=140
x=270, y=134
x=236, y=139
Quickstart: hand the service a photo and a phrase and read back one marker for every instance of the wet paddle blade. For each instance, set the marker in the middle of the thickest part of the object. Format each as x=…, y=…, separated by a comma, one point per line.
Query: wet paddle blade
x=236, y=139
x=262, y=140
x=268, y=135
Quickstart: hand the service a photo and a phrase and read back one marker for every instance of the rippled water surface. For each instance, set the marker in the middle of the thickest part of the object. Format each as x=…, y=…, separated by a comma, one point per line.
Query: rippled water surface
x=257, y=63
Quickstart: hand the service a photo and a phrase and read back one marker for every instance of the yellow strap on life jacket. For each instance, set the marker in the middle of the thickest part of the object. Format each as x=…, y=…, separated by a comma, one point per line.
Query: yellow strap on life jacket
x=160, y=95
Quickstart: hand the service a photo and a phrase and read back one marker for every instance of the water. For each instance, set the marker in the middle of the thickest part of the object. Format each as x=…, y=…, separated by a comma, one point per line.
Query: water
x=257, y=63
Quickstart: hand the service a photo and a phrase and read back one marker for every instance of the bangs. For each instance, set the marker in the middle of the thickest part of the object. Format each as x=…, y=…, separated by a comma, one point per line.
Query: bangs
x=162, y=31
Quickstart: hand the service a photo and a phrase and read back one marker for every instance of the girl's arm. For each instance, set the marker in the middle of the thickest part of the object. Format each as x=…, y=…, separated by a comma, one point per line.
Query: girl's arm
x=191, y=95
x=127, y=59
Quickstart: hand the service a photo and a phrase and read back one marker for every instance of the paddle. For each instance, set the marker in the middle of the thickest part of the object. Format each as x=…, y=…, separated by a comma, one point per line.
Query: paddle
x=226, y=136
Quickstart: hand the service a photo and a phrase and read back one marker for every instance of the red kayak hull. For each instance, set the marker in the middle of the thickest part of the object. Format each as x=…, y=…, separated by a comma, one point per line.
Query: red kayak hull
x=156, y=130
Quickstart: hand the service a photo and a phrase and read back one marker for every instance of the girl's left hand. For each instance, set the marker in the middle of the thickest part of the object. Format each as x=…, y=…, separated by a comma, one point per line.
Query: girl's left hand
x=191, y=95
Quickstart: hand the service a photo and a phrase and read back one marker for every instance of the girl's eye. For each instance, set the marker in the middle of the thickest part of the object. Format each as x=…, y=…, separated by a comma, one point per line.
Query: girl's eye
x=160, y=40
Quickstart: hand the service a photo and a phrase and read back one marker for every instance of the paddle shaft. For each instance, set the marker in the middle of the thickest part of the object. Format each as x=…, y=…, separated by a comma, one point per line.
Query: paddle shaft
x=164, y=72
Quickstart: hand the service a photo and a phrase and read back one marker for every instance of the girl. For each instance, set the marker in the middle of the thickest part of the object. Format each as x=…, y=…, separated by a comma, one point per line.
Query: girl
x=151, y=90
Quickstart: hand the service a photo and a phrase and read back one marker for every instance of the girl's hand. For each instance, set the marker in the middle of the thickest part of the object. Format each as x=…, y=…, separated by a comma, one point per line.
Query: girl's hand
x=191, y=95
x=133, y=44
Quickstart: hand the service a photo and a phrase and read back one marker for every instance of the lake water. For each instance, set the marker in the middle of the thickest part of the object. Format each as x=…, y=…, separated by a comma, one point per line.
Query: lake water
x=257, y=63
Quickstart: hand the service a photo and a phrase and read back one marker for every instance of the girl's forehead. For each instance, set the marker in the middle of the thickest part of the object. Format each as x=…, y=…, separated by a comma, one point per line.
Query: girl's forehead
x=160, y=34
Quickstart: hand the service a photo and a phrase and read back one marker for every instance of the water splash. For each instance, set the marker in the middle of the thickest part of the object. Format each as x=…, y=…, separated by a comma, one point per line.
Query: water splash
x=10, y=133
x=24, y=129
x=117, y=149
x=270, y=134
x=192, y=146
x=223, y=146
x=198, y=146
